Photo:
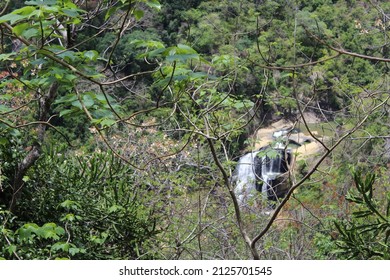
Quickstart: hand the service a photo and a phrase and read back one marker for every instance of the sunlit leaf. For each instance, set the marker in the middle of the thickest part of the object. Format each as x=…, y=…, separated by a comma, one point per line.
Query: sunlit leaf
x=91, y=55
x=41, y=2
x=153, y=4
x=18, y=29
x=12, y=18
x=138, y=14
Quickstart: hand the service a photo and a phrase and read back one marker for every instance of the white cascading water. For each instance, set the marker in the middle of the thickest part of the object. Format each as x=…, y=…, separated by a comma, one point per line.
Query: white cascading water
x=270, y=169
x=272, y=166
x=245, y=177
x=265, y=168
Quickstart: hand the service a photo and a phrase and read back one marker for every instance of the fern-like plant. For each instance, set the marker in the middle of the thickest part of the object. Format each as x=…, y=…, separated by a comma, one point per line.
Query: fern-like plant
x=366, y=234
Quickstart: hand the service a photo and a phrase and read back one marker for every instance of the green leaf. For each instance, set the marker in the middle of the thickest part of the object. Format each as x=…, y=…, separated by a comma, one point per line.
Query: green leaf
x=69, y=98
x=66, y=112
x=71, y=12
x=185, y=49
x=68, y=217
x=15, y=133
x=26, y=230
x=25, y=11
x=3, y=141
x=361, y=214
x=4, y=109
x=42, y=2
x=91, y=55
x=110, y=12
x=150, y=44
x=38, y=14
x=153, y=4
x=102, y=98
x=50, y=231
x=180, y=53
x=88, y=101
x=26, y=179
x=52, y=49
x=77, y=104
x=24, y=233
x=341, y=229
x=73, y=251
x=63, y=246
x=107, y=122
x=30, y=33
x=70, y=204
x=49, y=225
x=138, y=14
x=12, y=18
x=57, y=72
x=18, y=29
x=97, y=240
x=6, y=56
x=181, y=57
x=115, y=208
x=59, y=230
x=11, y=249
x=6, y=97
x=353, y=198
x=68, y=55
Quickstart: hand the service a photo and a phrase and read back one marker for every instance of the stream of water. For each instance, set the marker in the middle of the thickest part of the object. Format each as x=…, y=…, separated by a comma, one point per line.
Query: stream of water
x=252, y=170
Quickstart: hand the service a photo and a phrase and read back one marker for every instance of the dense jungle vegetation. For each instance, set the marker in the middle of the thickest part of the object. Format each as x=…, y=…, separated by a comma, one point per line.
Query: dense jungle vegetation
x=122, y=122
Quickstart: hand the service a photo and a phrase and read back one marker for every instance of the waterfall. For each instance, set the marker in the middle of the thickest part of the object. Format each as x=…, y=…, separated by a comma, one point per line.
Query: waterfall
x=261, y=173
x=271, y=168
x=245, y=177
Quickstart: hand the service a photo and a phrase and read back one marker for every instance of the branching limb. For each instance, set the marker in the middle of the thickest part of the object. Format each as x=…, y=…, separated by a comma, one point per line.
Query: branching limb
x=32, y=156
x=120, y=33
x=237, y=210
x=307, y=176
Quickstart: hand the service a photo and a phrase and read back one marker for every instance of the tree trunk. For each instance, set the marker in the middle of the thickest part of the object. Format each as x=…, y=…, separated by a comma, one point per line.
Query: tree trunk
x=45, y=102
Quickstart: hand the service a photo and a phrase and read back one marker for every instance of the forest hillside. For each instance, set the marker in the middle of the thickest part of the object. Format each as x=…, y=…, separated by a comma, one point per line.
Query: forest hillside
x=146, y=129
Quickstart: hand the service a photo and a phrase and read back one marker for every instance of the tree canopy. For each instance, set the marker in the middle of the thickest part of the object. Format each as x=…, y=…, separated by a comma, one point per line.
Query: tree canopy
x=122, y=123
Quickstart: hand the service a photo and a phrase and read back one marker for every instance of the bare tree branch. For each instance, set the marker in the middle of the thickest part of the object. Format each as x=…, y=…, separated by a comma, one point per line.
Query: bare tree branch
x=307, y=176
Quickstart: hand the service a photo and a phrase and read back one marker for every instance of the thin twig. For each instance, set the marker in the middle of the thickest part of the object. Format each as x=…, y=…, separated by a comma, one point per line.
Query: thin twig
x=306, y=177
x=234, y=199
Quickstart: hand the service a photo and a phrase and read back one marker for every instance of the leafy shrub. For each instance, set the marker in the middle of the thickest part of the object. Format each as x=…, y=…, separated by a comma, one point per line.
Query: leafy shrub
x=366, y=234
x=81, y=208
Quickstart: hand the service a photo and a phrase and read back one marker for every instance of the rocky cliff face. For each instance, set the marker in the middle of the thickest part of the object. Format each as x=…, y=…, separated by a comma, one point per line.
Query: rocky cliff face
x=269, y=168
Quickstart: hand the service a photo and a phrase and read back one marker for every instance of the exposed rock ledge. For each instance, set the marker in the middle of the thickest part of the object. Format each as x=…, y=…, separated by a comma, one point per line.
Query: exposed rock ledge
x=309, y=145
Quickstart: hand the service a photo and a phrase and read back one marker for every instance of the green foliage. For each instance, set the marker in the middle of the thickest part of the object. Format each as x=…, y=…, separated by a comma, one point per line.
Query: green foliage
x=31, y=241
x=89, y=208
x=101, y=107
x=11, y=143
x=39, y=10
x=366, y=234
x=125, y=55
x=157, y=85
